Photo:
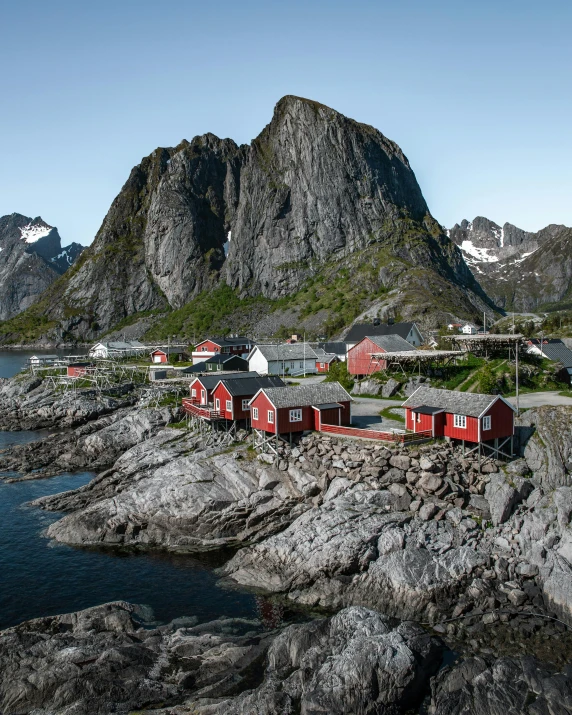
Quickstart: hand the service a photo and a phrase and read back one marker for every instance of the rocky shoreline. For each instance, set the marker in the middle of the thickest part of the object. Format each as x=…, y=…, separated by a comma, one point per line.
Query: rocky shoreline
x=479, y=555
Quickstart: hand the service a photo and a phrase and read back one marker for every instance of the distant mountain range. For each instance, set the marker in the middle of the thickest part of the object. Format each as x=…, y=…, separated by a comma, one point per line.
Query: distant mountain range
x=31, y=259
x=518, y=270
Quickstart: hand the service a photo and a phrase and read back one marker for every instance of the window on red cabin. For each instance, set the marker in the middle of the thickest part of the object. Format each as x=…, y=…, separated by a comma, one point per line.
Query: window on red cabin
x=217, y=404
x=271, y=417
x=193, y=393
x=418, y=415
x=487, y=422
x=255, y=413
x=229, y=405
x=322, y=365
x=245, y=405
x=460, y=421
x=295, y=415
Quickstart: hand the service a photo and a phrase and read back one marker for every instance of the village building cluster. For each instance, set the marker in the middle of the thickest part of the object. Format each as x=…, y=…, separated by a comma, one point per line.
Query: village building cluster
x=236, y=382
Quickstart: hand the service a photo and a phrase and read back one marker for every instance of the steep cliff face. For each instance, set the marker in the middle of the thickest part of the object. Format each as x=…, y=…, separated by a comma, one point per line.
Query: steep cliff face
x=313, y=189
x=519, y=270
x=31, y=259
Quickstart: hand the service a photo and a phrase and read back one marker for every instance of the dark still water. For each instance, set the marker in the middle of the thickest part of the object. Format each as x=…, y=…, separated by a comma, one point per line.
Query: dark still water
x=39, y=578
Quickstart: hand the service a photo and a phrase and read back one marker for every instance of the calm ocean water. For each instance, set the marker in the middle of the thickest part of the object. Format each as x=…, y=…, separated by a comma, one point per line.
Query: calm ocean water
x=38, y=577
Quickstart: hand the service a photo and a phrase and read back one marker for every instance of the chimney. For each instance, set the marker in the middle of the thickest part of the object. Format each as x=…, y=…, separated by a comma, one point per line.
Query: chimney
x=376, y=321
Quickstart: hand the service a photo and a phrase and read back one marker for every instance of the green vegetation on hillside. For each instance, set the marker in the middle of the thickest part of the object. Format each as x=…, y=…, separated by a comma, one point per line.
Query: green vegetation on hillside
x=199, y=315
x=338, y=372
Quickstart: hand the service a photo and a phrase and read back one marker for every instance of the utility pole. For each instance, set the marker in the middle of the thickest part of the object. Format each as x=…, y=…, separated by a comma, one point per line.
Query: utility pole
x=304, y=353
x=517, y=398
x=484, y=322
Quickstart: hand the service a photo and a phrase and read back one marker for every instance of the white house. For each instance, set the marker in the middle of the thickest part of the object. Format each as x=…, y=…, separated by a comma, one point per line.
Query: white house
x=289, y=359
x=117, y=349
x=469, y=329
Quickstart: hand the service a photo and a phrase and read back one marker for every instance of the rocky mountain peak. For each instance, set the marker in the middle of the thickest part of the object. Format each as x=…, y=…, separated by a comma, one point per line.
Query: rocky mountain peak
x=312, y=189
x=31, y=259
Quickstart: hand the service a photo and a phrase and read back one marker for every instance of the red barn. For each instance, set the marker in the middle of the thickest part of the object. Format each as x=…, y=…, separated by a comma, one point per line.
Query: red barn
x=359, y=357
x=78, y=369
x=231, y=397
x=324, y=360
x=201, y=388
x=460, y=415
x=299, y=408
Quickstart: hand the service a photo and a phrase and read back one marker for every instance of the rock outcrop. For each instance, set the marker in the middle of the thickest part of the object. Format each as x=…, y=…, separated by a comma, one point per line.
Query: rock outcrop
x=108, y=659
x=31, y=259
x=477, y=686
x=313, y=189
x=548, y=451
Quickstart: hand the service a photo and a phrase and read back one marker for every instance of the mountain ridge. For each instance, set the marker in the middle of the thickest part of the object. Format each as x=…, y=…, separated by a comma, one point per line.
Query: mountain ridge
x=532, y=271
x=313, y=189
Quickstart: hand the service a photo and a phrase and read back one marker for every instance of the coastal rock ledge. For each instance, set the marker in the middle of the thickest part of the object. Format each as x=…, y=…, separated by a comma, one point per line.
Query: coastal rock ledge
x=102, y=660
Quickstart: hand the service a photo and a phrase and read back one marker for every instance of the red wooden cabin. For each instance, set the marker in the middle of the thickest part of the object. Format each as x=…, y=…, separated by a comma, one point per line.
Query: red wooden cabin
x=201, y=388
x=324, y=361
x=232, y=345
x=299, y=408
x=460, y=415
x=231, y=397
x=360, y=360
x=78, y=369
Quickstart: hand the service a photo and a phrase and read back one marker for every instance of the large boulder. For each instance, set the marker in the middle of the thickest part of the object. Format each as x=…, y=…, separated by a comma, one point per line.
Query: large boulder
x=507, y=686
x=503, y=492
x=390, y=388
x=367, y=387
x=548, y=451
x=354, y=662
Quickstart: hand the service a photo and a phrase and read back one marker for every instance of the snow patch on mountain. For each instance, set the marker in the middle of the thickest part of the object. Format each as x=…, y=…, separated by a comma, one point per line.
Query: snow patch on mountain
x=33, y=232
x=481, y=254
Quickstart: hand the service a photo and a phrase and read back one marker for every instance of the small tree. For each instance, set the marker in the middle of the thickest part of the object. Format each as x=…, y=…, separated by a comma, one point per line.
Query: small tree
x=487, y=380
x=338, y=372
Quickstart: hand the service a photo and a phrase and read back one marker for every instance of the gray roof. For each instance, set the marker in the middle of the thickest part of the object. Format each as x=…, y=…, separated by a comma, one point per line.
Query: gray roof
x=361, y=330
x=326, y=357
x=390, y=343
x=211, y=381
x=459, y=403
x=336, y=348
x=555, y=350
x=169, y=351
x=120, y=345
x=251, y=385
x=302, y=395
x=287, y=351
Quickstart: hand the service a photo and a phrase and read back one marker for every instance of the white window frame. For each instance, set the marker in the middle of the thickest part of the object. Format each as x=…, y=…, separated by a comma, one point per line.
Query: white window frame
x=203, y=396
x=487, y=423
x=301, y=363
x=229, y=405
x=321, y=366
x=217, y=404
x=418, y=416
x=292, y=364
x=204, y=349
x=270, y=417
x=245, y=405
x=296, y=415
x=254, y=411
x=193, y=392
x=460, y=421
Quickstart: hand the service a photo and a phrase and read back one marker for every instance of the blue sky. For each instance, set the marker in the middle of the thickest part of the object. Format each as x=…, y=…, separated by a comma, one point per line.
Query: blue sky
x=477, y=94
